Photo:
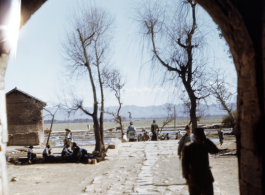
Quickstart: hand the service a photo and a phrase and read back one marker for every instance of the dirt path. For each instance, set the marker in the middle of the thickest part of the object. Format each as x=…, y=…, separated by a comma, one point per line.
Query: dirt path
x=132, y=168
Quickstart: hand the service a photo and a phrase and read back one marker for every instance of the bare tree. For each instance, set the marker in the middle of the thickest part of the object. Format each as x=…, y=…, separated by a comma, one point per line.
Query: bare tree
x=219, y=89
x=170, y=115
x=176, y=46
x=52, y=114
x=200, y=110
x=113, y=80
x=86, y=51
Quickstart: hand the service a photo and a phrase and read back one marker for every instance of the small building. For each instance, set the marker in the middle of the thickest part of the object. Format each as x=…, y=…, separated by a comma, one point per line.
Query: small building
x=24, y=118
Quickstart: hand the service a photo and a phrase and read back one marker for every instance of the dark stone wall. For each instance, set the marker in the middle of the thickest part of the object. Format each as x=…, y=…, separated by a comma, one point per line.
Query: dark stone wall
x=24, y=119
x=241, y=22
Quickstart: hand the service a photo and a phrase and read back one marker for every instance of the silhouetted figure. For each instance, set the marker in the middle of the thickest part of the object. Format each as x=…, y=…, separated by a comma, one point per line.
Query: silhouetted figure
x=195, y=164
x=154, y=129
x=221, y=136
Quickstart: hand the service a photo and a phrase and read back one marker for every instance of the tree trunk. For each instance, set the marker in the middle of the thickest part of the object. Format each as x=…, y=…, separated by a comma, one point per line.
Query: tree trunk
x=193, y=104
x=99, y=147
x=193, y=117
x=50, y=131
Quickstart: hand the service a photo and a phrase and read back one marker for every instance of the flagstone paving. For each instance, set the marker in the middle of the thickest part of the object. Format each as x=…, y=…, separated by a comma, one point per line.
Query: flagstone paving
x=142, y=168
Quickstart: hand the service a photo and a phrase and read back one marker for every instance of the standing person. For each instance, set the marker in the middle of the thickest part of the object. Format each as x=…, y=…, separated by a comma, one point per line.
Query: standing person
x=195, y=164
x=221, y=136
x=131, y=132
x=67, y=139
x=31, y=155
x=154, y=128
x=47, y=151
x=188, y=137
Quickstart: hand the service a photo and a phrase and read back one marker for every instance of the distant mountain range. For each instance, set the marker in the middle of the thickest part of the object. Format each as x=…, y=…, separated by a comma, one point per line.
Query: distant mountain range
x=137, y=112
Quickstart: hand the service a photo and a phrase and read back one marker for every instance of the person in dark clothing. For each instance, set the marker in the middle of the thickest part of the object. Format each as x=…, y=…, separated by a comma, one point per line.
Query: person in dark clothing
x=221, y=136
x=66, y=151
x=75, y=155
x=154, y=129
x=167, y=137
x=195, y=164
x=83, y=155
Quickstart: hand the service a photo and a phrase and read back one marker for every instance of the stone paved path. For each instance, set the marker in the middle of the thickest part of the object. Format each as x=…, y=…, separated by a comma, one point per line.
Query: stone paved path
x=142, y=168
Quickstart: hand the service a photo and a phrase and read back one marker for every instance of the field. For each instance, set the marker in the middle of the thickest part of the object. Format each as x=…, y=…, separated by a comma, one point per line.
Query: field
x=137, y=123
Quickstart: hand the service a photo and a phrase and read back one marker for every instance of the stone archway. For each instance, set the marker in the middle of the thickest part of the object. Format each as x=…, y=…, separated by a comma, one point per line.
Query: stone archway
x=243, y=25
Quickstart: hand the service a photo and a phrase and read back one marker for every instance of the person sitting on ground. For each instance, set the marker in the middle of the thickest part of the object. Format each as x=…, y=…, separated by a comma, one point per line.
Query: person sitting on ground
x=131, y=132
x=154, y=128
x=195, y=164
x=163, y=136
x=83, y=155
x=140, y=138
x=47, y=151
x=188, y=137
x=75, y=155
x=177, y=136
x=31, y=155
x=167, y=137
x=146, y=137
x=66, y=151
x=221, y=136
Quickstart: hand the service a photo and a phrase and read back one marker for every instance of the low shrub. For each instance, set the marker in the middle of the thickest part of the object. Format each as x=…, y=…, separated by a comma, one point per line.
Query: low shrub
x=228, y=121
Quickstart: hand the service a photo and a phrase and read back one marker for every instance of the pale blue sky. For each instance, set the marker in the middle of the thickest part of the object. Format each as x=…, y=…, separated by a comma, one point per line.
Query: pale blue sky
x=37, y=68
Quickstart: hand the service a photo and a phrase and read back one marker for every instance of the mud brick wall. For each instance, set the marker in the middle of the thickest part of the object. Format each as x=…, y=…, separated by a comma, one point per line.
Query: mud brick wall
x=24, y=119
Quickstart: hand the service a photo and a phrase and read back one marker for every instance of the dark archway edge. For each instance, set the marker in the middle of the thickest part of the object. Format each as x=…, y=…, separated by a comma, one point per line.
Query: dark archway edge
x=242, y=23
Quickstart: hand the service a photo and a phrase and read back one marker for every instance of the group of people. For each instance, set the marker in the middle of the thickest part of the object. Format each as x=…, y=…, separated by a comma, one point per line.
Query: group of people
x=193, y=150
x=70, y=152
x=132, y=134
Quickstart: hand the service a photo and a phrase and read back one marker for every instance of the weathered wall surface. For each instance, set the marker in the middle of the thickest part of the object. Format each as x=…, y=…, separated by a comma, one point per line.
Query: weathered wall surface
x=241, y=24
x=25, y=122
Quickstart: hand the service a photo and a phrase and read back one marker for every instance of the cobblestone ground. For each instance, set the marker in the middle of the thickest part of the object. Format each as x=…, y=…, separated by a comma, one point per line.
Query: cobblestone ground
x=142, y=168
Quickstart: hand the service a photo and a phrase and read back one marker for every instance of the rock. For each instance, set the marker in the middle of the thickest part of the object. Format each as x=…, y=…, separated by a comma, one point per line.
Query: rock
x=15, y=179
x=89, y=188
x=93, y=161
x=114, y=143
x=12, y=159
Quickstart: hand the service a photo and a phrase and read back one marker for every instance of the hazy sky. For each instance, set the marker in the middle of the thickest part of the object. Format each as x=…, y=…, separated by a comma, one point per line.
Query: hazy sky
x=38, y=67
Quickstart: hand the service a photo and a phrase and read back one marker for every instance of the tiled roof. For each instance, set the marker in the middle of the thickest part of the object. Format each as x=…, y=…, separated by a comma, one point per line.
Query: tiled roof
x=16, y=89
